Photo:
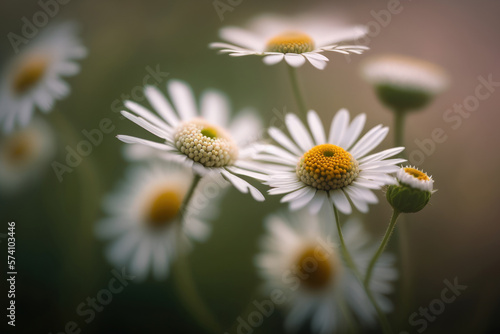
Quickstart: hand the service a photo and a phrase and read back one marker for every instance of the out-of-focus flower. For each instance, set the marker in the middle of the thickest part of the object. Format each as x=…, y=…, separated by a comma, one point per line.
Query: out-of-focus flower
x=25, y=154
x=205, y=140
x=413, y=192
x=404, y=83
x=328, y=170
x=144, y=218
x=293, y=39
x=300, y=259
x=33, y=78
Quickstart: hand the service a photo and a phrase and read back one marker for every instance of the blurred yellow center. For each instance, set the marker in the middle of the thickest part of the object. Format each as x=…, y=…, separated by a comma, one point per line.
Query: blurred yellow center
x=29, y=74
x=164, y=208
x=417, y=174
x=291, y=42
x=19, y=148
x=209, y=132
x=327, y=167
x=316, y=271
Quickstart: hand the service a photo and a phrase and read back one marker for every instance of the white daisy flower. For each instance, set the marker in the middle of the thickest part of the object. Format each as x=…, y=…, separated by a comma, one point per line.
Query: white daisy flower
x=294, y=40
x=34, y=77
x=404, y=82
x=300, y=258
x=204, y=140
x=144, y=217
x=329, y=169
x=415, y=178
x=25, y=154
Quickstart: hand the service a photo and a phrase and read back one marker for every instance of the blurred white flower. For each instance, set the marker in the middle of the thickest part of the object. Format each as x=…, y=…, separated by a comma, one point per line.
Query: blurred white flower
x=25, y=154
x=33, y=78
x=205, y=141
x=144, y=218
x=404, y=83
x=328, y=170
x=293, y=39
x=300, y=258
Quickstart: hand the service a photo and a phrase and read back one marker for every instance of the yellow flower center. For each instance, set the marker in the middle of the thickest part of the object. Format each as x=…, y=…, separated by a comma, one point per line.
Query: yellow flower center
x=417, y=174
x=315, y=269
x=29, y=74
x=164, y=208
x=327, y=167
x=205, y=143
x=19, y=148
x=291, y=42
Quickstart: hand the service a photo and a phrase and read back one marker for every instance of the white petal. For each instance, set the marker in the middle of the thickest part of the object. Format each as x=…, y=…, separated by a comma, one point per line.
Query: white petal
x=353, y=131
x=183, y=99
x=294, y=60
x=161, y=105
x=283, y=140
x=338, y=127
x=273, y=59
x=242, y=37
x=316, y=127
x=369, y=142
x=340, y=201
x=298, y=132
x=215, y=108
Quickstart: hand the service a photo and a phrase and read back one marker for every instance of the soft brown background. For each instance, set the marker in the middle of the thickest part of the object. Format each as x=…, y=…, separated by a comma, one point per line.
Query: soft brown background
x=457, y=236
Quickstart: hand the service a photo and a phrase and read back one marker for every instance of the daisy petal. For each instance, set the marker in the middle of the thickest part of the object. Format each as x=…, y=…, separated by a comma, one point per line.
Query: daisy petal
x=316, y=127
x=294, y=59
x=298, y=132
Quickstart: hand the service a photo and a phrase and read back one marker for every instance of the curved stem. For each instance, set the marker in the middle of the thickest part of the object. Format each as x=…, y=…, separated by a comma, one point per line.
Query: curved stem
x=384, y=323
x=183, y=274
x=383, y=244
x=292, y=71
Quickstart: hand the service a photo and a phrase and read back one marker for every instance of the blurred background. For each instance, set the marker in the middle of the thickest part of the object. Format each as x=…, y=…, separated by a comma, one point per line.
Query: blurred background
x=60, y=263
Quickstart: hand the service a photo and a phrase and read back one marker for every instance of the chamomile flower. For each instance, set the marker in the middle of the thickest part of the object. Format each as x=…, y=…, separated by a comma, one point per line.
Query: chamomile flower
x=404, y=83
x=203, y=140
x=293, y=39
x=413, y=191
x=328, y=170
x=33, y=78
x=144, y=218
x=301, y=257
x=25, y=154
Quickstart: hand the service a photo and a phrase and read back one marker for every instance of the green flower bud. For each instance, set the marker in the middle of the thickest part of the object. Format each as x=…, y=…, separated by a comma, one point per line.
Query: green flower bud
x=404, y=83
x=413, y=191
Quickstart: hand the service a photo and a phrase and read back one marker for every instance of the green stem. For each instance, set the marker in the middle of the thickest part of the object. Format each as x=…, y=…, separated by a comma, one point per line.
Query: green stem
x=184, y=277
x=383, y=244
x=399, y=128
x=384, y=323
x=292, y=71
x=82, y=235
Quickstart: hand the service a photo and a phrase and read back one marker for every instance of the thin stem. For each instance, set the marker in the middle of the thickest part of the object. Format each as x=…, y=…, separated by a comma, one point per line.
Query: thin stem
x=82, y=234
x=384, y=323
x=399, y=128
x=292, y=71
x=383, y=244
x=184, y=277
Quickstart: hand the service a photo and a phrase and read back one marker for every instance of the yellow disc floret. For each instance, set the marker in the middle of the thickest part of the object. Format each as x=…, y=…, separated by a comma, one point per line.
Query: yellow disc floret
x=164, y=208
x=327, y=167
x=29, y=74
x=205, y=143
x=20, y=148
x=316, y=270
x=291, y=42
x=417, y=174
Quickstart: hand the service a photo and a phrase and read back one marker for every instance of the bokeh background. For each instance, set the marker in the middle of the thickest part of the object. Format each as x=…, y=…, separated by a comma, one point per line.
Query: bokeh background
x=60, y=262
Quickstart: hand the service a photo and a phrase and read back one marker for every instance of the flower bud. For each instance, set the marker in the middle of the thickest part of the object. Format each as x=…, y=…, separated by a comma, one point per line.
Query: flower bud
x=413, y=191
